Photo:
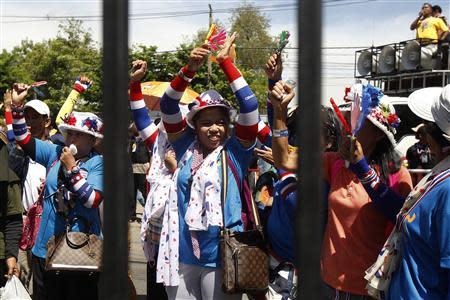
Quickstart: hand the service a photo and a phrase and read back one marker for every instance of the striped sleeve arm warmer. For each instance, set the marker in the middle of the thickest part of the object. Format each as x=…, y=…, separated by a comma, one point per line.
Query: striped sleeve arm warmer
x=147, y=129
x=20, y=129
x=247, y=123
x=83, y=191
x=263, y=133
x=386, y=200
x=170, y=111
x=9, y=126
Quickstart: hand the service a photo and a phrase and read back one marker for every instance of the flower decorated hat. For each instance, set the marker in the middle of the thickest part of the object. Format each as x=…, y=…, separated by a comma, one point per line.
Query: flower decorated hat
x=83, y=122
x=370, y=103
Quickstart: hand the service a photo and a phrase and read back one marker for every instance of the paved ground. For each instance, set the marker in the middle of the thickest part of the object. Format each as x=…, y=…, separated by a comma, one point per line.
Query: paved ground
x=137, y=261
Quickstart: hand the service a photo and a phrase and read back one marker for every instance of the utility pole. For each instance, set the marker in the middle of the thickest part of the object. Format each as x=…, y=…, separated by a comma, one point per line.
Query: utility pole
x=209, y=61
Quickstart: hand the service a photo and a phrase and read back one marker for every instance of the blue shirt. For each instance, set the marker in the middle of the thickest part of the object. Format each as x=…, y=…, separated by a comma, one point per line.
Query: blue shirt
x=280, y=226
x=51, y=222
x=209, y=240
x=424, y=268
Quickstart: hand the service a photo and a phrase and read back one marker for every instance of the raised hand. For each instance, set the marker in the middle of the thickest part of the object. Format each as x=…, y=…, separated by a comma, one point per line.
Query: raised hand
x=281, y=94
x=82, y=83
x=224, y=52
x=198, y=57
x=138, y=70
x=351, y=149
x=274, y=67
x=265, y=154
x=19, y=93
x=7, y=100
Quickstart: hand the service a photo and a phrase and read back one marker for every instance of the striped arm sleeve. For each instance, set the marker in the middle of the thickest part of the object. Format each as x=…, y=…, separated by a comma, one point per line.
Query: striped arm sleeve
x=385, y=199
x=20, y=129
x=83, y=191
x=288, y=183
x=9, y=126
x=264, y=133
x=247, y=123
x=147, y=129
x=170, y=111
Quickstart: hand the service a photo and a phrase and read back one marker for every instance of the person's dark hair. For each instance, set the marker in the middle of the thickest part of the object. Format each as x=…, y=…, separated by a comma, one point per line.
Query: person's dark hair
x=427, y=4
x=436, y=133
x=437, y=8
x=386, y=158
x=331, y=129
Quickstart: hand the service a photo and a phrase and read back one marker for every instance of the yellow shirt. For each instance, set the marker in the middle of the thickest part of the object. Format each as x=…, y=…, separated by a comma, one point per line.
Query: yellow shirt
x=430, y=27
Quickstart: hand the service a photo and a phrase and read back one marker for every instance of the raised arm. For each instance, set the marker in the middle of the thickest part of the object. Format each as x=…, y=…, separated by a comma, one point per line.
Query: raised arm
x=273, y=69
x=174, y=122
x=386, y=200
x=82, y=83
x=247, y=122
x=415, y=23
x=7, y=101
x=21, y=133
x=144, y=124
x=280, y=96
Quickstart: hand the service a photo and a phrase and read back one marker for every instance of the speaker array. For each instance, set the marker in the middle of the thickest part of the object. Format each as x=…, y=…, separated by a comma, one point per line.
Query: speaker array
x=407, y=56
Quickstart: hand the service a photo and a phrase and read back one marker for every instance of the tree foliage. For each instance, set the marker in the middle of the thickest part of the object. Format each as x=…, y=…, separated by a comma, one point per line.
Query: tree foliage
x=73, y=52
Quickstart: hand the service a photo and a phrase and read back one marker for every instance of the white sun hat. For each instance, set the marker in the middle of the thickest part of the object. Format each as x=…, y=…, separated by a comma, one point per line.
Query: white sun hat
x=420, y=102
x=440, y=110
x=84, y=122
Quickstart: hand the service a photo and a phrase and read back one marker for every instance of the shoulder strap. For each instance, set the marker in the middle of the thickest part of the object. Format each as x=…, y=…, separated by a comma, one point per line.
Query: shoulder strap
x=224, y=189
x=238, y=182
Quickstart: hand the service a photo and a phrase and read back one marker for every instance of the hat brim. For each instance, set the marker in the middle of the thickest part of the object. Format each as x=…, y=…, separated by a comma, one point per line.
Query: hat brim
x=383, y=128
x=420, y=102
x=191, y=114
x=440, y=115
x=64, y=127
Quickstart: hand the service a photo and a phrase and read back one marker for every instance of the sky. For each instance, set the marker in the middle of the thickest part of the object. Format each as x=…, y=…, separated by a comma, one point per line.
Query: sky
x=346, y=23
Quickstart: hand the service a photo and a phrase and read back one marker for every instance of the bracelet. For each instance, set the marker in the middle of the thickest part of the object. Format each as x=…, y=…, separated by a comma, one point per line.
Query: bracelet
x=280, y=133
x=182, y=75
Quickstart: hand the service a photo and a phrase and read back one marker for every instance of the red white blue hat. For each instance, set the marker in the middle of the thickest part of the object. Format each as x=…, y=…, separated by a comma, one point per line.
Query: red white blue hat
x=210, y=98
x=84, y=122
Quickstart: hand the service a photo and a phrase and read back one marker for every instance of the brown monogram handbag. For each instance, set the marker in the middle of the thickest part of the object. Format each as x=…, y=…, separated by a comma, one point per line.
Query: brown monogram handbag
x=74, y=251
x=245, y=260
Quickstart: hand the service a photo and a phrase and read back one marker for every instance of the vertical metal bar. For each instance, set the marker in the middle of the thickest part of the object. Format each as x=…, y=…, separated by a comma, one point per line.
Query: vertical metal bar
x=114, y=284
x=310, y=193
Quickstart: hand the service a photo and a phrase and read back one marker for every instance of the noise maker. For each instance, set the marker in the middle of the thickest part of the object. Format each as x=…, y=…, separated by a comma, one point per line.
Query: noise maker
x=38, y=83
x=73, y=149
x=341, y=117
x=212, y=31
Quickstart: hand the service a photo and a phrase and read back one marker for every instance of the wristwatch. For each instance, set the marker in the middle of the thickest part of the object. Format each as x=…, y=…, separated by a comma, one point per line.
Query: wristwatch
x=73, y=171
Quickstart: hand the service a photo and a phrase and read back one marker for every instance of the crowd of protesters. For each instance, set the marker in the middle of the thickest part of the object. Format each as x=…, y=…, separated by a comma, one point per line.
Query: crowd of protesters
x=383, y=238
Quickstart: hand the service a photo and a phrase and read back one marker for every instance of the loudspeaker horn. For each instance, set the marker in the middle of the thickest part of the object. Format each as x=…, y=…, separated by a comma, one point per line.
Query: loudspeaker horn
x=411, y=56
x=365, y=63
x=387, y=60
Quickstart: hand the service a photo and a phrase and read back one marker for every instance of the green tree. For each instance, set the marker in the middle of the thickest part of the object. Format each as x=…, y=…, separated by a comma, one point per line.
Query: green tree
x=254, y=43
x=58, y=61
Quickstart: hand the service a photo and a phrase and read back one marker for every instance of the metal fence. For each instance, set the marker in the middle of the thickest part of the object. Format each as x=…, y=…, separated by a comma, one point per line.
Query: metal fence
x=115, y=49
